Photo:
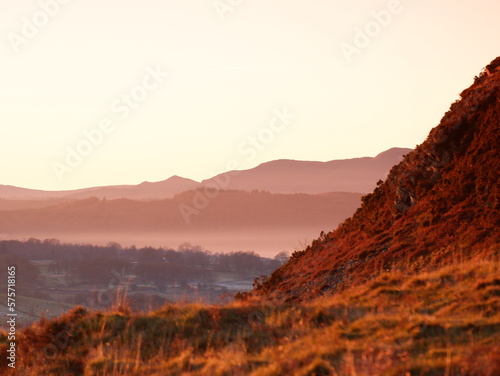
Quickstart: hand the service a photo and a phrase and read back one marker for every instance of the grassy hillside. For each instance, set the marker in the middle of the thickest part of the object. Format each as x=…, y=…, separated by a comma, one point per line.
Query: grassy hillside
x=446, y=322
x=439, y=205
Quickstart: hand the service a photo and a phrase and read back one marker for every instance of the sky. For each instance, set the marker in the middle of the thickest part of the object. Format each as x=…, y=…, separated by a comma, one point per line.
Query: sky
x=109, y=92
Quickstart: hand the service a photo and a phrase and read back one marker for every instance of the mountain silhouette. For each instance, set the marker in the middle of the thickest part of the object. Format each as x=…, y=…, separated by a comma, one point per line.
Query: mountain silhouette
x=283, y=176
x=233, y=220
x=290, y=176
x=144, y=191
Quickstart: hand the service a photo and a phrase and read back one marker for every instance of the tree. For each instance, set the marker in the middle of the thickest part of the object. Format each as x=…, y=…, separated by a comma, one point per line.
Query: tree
x=282, y=257
x=115, y=245
x=149, y=254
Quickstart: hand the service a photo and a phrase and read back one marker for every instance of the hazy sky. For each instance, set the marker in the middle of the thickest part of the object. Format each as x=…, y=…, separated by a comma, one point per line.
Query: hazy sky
x=85, y=99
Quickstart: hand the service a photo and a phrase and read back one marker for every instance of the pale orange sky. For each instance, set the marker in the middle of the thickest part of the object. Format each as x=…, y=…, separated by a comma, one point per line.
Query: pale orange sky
x=226, y=77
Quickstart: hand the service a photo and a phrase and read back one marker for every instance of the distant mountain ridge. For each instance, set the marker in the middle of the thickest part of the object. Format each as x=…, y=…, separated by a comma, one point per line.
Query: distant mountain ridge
x=229, y=210
x=232, y=221
x=291, y=176
x=281, y=176
x=144, y=191
x=257, y=216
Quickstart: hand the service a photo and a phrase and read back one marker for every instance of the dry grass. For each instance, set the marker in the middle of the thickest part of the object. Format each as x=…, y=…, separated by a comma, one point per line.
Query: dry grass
x=445, y=322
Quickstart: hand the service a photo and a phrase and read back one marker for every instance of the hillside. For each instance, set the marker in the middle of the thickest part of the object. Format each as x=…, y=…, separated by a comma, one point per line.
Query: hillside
x=289, y=176
x=439, y=205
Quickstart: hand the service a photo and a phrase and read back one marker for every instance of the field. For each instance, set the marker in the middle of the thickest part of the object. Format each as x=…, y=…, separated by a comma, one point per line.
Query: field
x=30, y=310
x=59, y=294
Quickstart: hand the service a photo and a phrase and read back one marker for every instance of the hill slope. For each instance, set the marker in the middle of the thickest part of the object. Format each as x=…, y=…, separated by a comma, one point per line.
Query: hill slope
x=439, y=205
x=397, y=324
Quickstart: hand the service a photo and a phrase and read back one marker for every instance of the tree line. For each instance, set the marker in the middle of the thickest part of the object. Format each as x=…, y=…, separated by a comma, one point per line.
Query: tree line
x=86, y=263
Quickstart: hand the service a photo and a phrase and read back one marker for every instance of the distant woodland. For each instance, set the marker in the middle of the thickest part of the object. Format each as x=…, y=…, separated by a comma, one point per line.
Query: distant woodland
x=193, y=210
x=50, y=270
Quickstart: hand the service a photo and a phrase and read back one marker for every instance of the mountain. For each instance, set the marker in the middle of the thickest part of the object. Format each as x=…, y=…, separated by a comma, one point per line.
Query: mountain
x=229, y=210
x=222, y=220
x=144, y=191
x=440, y=205
x=12, y=205
x=290, y=176
x=282, y=176
x=169, y=211
x=10, y=192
